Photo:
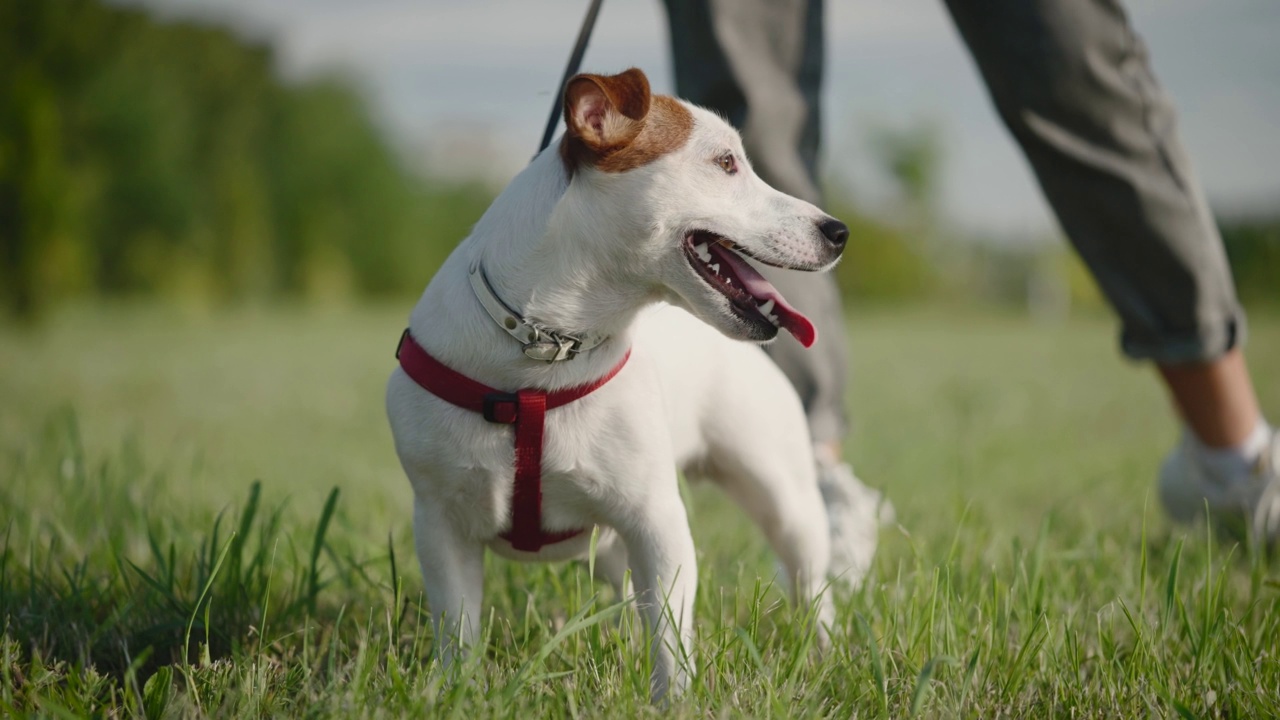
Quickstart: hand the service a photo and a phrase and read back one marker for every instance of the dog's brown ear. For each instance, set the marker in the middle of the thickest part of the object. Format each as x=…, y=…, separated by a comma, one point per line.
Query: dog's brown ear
x=606, y=112
x=615, y=125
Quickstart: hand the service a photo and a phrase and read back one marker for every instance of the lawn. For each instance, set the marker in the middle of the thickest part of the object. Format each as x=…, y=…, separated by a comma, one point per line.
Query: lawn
x=202, y=515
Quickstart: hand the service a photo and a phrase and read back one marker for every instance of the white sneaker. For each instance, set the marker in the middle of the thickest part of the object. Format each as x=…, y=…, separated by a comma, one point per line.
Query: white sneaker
x=855, y=514
x=1246, y=506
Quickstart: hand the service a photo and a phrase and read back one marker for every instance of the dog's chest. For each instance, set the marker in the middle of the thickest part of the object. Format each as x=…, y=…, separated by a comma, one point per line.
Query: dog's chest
x=587, y=464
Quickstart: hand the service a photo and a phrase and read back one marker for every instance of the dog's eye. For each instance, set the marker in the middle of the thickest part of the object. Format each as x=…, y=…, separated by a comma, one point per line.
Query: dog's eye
x=728, y=163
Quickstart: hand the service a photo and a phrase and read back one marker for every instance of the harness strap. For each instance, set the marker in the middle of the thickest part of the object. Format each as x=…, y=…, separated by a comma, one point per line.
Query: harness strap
x=525, y=409
x=526, y=497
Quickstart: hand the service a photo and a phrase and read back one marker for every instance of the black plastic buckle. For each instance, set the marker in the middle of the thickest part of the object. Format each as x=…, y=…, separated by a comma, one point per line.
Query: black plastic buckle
x=403, y=336
x=500, y=407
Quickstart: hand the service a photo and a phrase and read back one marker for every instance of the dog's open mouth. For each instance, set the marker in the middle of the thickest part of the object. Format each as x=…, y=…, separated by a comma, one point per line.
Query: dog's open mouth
x=721, y=265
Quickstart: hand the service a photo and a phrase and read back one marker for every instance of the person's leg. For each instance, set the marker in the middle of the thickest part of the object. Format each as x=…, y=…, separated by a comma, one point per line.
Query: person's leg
x=1071, y=80
x=759, y=63
x=1229, y=457
x=1215, y=399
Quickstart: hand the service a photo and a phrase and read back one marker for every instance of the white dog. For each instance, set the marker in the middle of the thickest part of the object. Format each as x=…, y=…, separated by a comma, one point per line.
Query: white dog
x=647, y=200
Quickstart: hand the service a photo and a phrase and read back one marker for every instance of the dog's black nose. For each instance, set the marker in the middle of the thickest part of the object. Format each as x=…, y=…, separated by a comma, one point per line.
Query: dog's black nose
x=835, y=231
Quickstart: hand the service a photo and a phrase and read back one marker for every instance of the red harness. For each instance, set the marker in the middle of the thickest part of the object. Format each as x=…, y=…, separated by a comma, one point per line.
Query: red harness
x=526, y=409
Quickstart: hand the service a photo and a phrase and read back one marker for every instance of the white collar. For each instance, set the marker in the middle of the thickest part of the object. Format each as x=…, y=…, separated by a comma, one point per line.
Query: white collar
x=540, y=342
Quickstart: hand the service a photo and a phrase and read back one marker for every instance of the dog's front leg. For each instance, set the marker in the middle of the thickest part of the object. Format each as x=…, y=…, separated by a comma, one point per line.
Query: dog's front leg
x=453, y=573
x=664, y=571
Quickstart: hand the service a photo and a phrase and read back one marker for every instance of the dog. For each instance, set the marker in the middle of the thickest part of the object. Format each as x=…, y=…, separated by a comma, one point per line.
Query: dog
x=601, y=305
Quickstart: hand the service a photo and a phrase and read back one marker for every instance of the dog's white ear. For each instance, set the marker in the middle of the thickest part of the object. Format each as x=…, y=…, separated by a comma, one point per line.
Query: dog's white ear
x=606, y=112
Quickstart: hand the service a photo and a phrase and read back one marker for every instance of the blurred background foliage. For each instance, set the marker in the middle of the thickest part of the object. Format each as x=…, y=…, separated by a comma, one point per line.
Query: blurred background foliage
x=148, y=158
x=169, y=159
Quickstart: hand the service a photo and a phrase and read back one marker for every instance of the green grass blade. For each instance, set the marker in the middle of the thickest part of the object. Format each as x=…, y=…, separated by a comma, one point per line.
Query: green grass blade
x=313, y=584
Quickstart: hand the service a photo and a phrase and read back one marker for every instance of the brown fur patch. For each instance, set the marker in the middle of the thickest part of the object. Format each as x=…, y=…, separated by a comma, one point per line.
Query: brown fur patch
x=666, y=129
x=636, y=128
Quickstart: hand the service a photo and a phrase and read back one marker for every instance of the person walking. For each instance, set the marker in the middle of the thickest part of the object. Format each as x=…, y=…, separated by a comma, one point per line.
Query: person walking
x=1072, y=82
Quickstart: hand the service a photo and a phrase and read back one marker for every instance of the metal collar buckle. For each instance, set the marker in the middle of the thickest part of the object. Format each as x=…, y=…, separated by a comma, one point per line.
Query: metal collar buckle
x=555, y=347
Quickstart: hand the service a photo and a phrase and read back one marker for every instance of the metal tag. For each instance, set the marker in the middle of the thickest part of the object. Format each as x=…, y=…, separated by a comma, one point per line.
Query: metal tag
x=558, y=347
x=545, y=351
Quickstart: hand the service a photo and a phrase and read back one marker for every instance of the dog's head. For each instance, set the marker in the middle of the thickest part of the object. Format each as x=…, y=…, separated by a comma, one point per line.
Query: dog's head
x=673, y=187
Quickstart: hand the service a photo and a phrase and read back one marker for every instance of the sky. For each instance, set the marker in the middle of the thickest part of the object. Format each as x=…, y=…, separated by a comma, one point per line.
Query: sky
x=464, y=86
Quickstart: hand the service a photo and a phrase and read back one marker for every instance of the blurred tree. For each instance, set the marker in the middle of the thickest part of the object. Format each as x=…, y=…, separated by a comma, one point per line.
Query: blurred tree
x=882, y=262
x=139, y=157
x=1253, y=247
x=896, y=260
x=912, y=157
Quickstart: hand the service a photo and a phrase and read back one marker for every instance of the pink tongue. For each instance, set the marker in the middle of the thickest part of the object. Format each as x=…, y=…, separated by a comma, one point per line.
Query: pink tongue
x=763, y=290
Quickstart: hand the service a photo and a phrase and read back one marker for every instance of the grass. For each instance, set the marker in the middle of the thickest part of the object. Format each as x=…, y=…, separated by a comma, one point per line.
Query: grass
x=203, y=516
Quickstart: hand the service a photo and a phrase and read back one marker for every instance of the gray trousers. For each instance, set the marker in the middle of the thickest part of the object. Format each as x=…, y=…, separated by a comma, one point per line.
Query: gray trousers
x=1071, y=80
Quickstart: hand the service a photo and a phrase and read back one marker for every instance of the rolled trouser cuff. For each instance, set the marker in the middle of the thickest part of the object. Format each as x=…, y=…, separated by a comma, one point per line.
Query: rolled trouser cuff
x=1074, y=84
x=1203, y=344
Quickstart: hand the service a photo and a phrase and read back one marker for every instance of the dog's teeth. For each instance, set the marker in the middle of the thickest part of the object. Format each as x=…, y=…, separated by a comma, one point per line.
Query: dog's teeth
x=701, y=251
x=716, y=268
x=766, y=309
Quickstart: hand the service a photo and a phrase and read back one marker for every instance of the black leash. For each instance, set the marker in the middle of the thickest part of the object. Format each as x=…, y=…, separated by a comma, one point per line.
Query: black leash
x=575, y=60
